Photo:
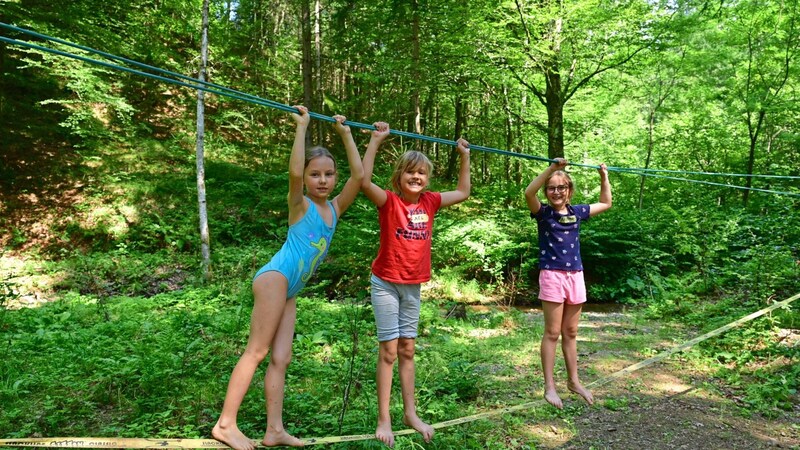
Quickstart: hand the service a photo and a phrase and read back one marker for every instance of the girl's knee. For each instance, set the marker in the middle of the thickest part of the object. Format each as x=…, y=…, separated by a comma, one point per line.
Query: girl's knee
x=388, y=357
x=388, y=352
x=280, y=359
x=406, y=353
x=569, y=332
x=256, y=355
x=406, y=348
x=551, y=334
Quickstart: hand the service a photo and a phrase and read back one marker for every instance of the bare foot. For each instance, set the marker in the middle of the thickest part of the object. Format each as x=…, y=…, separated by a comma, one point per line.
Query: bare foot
x=384, y=433
x=552, y=397
x=423, y=428
x=582, y=391
x=232, y=437
x=274, y=438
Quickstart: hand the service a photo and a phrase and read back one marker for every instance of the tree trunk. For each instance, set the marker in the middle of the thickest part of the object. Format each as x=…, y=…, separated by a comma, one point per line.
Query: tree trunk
x=517, y=170
x=555, y=117
x=754, y=131
x=509, y=123
x=437, y=124
x=555, y=98
x=461, y=123
x=2, y=76
x=650, y=131
x=205, y=247
x=417, y=126
x=319, y=95
x=307, y=68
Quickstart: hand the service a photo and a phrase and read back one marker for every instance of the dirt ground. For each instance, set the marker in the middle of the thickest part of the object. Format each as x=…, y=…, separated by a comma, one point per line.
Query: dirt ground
x=668, y=405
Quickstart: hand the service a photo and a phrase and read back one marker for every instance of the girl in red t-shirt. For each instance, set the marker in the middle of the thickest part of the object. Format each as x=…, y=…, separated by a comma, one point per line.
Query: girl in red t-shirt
x=403, y=263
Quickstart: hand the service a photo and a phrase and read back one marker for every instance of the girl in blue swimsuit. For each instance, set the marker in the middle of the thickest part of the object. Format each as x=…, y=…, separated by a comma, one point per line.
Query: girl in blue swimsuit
x=312, y=221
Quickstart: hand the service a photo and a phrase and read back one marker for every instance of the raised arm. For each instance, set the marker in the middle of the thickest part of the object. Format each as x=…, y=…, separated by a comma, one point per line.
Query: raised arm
x=297, y=204
x=374, y=192
x=605, y=193
x=353, y=184
x=534, y=205
x=464, y=186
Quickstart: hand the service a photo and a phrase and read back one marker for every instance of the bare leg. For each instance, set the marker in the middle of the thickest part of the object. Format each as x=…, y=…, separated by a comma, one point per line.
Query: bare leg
x=275, y=379
x=569, y=345
x=553, y=313
x=407, y=370
x=387, y=354
x=269, y=291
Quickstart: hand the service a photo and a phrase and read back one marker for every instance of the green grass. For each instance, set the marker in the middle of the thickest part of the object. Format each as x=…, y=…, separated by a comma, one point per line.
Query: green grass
x=158, y=366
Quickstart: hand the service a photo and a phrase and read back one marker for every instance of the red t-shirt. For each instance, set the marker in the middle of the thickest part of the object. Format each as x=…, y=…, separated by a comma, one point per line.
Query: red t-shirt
x=404, y=256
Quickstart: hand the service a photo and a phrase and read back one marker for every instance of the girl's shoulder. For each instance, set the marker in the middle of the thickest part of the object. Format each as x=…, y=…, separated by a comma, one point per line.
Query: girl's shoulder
x=581, y=210
x=431, y=196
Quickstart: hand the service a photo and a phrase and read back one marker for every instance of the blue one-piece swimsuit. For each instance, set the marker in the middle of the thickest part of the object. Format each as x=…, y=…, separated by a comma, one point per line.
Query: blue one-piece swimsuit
x=306, y=245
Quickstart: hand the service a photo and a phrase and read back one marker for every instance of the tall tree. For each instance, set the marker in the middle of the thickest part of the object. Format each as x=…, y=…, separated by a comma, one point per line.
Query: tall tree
x=658, y=85
x=205, y=248
x=769, y=39
x=555, y=48
x=307, y=65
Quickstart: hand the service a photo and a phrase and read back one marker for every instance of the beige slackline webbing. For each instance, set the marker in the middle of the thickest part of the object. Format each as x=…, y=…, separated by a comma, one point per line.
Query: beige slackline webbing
x=70, y=442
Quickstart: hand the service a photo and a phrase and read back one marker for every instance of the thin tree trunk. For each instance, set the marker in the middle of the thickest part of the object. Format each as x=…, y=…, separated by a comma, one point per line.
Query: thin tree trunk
x=517, y=170
x=509, y=136
x=319, y=95
x=650, y=131
x=305, y=37
x=205, y=247
x=437, y=120
x=417, y=126
x=2, y=75
x=753, y=131
x=461, y=114
x=428, y=114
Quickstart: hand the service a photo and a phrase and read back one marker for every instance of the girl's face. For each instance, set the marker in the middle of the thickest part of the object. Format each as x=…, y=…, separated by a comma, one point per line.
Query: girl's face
x=320, y=178
x=558, y=192
x=414, y=180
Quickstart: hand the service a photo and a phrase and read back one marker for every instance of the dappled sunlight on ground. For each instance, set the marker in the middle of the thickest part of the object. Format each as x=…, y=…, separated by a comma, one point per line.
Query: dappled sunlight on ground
x=596, y=325
x=549, y=434
x=22, y=284
x=485, y=333
x=663, y=406
x=668, y=384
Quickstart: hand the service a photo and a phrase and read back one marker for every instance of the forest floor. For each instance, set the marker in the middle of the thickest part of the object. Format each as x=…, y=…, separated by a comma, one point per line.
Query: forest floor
x=668, y=405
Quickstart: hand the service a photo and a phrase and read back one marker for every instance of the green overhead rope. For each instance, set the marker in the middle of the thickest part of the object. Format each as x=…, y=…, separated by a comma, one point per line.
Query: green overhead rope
x=193, y=83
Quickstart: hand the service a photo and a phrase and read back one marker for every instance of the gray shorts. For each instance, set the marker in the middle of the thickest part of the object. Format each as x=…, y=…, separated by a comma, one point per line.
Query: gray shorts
x=396, y=308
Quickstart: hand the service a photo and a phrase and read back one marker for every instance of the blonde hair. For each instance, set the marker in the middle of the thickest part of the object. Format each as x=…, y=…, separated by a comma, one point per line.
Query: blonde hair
x=564, y=175
x=408, y=160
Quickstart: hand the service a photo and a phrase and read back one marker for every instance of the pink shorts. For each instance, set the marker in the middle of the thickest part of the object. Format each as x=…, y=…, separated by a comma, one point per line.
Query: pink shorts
x=561, y=286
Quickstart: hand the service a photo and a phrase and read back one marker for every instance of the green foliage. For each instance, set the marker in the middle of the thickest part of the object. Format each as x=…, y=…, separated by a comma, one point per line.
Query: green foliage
x=758, y=366
x=98, y=185
x=483, y=248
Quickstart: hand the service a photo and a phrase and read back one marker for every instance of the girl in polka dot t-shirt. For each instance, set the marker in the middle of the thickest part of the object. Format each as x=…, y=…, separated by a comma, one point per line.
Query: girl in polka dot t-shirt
x=561, y=286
